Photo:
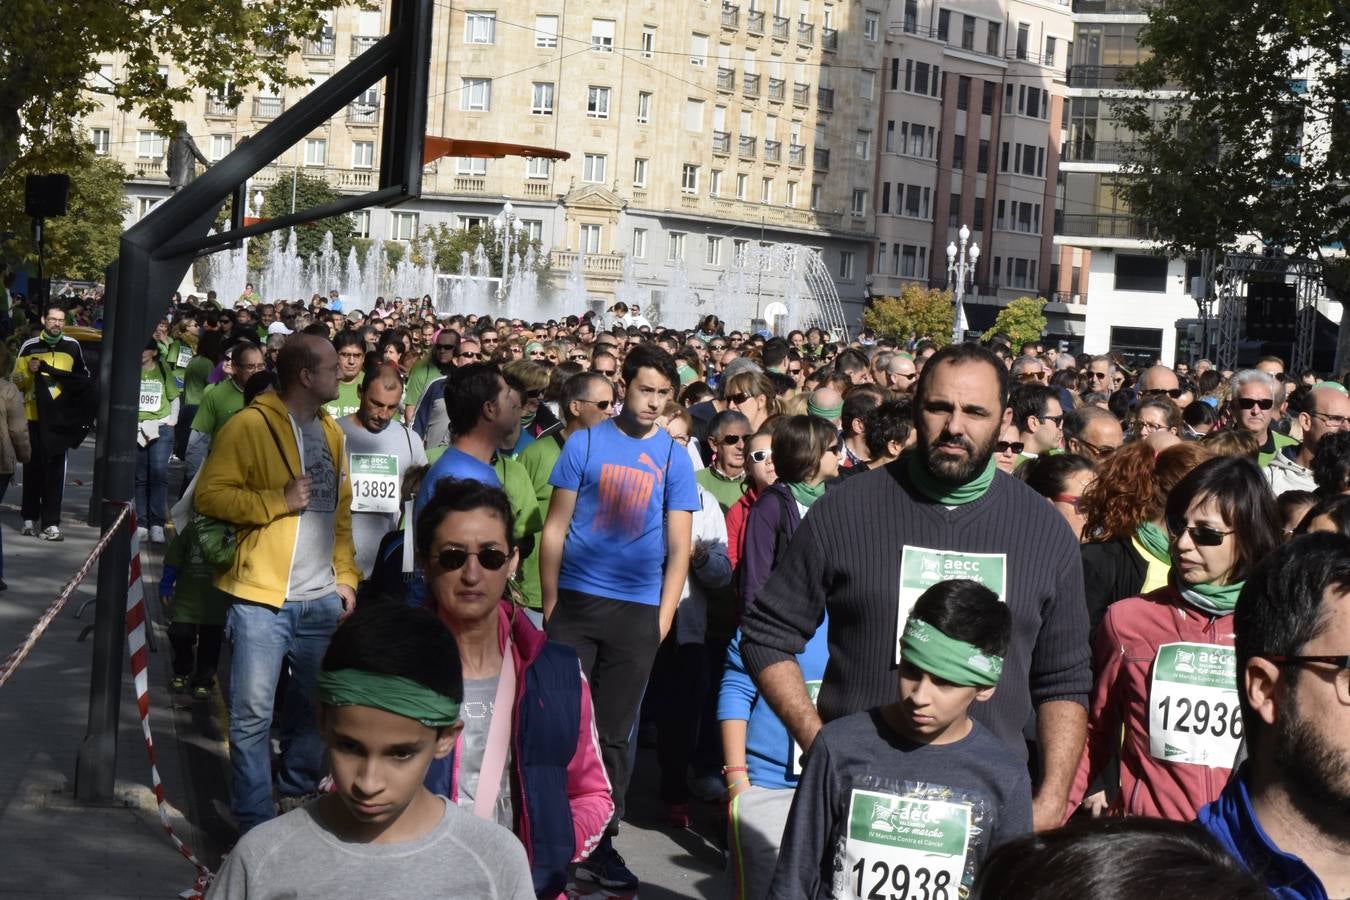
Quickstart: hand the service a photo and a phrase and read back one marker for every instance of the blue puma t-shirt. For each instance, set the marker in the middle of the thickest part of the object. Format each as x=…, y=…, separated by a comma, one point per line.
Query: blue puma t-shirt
x=616, y=545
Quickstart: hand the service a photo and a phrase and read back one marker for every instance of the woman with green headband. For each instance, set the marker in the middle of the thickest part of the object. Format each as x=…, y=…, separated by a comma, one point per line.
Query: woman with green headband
x=390, y=690
x=1165, y=664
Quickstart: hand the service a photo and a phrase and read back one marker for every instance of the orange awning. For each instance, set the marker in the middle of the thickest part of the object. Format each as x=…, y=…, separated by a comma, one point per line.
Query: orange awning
x=433, y=148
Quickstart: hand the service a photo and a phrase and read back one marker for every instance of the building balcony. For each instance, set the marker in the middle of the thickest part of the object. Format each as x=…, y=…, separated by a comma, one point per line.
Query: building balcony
x=688, y=201
x=777, y=90
x=726, y=79
x=1103, y=226
x=796, y=155
x=782, y=27
x=774, y=214
x=747, y=146
x=721, y=143
x=754, y=21
x=149, y=170
x=821, y=158
x=1098, y=76
x=773, y=151
x=591, y=263
x=359, y=114
x=829, y=39
x=806, y=33
x=1096, y=151
x=363, y=42
x=750, y=84
x=342, y=179
x=537, y=190
x=217, y=108
x=825, y=99
x=801, y=94
x=639, y=197
x=268, y=107
x=323, y=45
x=470, y=184
x=731, y=16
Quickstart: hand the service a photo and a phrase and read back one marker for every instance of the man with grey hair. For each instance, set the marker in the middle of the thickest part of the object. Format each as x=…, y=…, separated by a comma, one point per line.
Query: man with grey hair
x=1092, y=432
x=728, y=437
x=880, y=360
x=1326, y=410
x=1256, y=405
x=1028, y=370
x=1099, y=373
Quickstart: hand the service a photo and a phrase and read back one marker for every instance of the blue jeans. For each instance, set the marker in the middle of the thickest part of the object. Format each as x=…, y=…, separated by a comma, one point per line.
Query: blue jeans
x=261, y=640
x=152, y=478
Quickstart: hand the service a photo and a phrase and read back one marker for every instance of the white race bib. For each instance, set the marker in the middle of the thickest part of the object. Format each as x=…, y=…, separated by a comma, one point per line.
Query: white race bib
x=184, y=357
x=376, y=485
x=903, y=848
x=921, y=568
x=1193, y=711
x=152, y=395
x=795, y=751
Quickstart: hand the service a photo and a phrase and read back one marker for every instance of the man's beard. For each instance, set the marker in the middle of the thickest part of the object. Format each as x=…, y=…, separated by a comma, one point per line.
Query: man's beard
x=954, y=469
x=1318, y=772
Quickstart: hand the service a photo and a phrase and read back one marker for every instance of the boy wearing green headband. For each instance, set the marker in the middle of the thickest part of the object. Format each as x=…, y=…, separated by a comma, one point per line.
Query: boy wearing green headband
x=390, y=690
x=908, y=798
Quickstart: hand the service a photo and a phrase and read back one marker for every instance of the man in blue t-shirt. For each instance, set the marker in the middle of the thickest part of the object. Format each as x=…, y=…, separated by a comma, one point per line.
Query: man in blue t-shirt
x=482, y=409
x=612, y=564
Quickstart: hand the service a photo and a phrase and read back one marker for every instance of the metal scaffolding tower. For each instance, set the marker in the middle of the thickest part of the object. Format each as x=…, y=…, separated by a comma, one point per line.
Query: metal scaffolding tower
x=1236, y=272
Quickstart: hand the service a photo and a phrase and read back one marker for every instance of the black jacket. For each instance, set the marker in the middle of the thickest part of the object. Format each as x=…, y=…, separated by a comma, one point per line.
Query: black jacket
x=1112, y=570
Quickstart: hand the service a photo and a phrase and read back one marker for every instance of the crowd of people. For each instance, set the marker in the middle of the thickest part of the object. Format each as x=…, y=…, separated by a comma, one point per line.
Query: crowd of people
x=929, y=621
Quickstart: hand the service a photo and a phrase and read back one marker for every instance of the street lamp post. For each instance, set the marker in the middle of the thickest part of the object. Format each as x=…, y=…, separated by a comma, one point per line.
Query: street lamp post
x=508, y=231
x=960, y=266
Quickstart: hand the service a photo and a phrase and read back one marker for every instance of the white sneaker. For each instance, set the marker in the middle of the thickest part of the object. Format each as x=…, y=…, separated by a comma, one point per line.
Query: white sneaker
x=52, y=533
x=156, y=534
x=29, y=527
x=142, y=533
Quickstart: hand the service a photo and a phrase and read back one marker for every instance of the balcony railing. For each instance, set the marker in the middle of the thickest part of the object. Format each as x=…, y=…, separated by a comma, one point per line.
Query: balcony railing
x=470, y=184
x=360, y=114
x=822, y=158
x=218, y=107
x=806, y=33
x=796, y=155
x=748, y=146
x=731, y=16
x=1098, y=76
x=782, y=27
x=363, y=42
x=1096, y=151
x=754, y=21
x=537, y=189
x=1104, y=226
x=801, y=94
x=268, y=107
x=726, y=79
x=721, y=141
x=829, y=39
x=825, y=98
x=773, y=151
x=323, y=45
x=591, y=263
x=777, y=89
x=750, y=84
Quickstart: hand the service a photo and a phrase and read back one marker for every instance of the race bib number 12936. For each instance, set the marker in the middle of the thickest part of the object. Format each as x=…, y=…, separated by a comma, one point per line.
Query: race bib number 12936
x=1193, y=712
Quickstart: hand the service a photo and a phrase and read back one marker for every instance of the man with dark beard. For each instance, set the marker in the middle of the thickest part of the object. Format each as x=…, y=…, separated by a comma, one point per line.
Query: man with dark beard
x=1286, y=811
x=869, y=548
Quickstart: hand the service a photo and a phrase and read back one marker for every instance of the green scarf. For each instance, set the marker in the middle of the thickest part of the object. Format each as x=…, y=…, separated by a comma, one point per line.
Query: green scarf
x=1214, y=599
x=51, y=340
x=400, y=696
x=940, y=490
x=527, y=420
x=947, y=658
x=1154, y=540
x=806, y=494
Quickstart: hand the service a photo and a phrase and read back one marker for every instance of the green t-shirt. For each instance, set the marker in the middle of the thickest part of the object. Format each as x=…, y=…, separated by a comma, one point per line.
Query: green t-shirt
x=422, y=374
x=194, y=380
x=727, y=492
x=177, y=358
x=348, y=400
x=221, y=401
x=156, y=395
x=538, y=460
x=196, y=599
x=525, y=510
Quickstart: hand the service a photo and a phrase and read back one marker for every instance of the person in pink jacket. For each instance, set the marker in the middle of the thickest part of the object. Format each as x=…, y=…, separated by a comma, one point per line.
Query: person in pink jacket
x=528, y=756
x=1165, y=666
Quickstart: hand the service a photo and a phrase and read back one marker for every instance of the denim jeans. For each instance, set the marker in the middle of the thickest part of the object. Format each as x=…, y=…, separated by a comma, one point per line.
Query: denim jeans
x=152, y=478
x=261, y=640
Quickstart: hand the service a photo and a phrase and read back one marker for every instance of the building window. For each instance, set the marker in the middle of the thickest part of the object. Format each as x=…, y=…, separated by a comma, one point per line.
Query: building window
x=675, y=246
x=532, y=229
x=742, y=185
x=648, y=41
x=944, y=24
x=470, y=223
x=867, y=80
x=958, y=151
x=402, y=226
x=590, y=238
x=766, y=190
x=963, y=92
x=474, y=166
x=967, y=32
x=846, y=264
x=715, y=183
x=885, y=198
x=639, y=173
x=475, y=94
x=1049, y=58
x=602, y=35
x=546, y=31
x=593, y=168
x=714, y=255
x=816, y=196
x=977, y=220
x=221, y=145
x=698, y=49
x=480, y=27
x=361, y=223
x=987, y=101
x=149, y=145
x=982, y=157
x=689, y=179
x=644, y=107
x=693, y=115
x=363, y=154
x=101, y=138
x=791, y=193
x=1136, y=272
x=639, y=243
x=862, y=145
x=954, y=211
x=597, y=102
x=1023, y=39
x=541, y=102
x=993, y=39
x=145, y=204
x=739, y=248
x=859, y=206
x=316, y=152
x=539, y=167
x=871, y=25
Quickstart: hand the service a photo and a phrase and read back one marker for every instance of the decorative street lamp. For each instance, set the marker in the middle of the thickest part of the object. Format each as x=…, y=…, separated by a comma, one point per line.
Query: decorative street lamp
x=508, y=232
x=961, y=265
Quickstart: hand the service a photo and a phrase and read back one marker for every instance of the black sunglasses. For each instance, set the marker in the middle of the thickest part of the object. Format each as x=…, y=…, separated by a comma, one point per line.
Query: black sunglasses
x=1005, y=446
x=1174, y=393
x=1203, y=535
x=1252, y=402
x=443, y=347
x=731, y=440
x=740, y=398
x=608, y=373
x=469, y=355
x=601, y=405
x=578, y=357
x=454, y=558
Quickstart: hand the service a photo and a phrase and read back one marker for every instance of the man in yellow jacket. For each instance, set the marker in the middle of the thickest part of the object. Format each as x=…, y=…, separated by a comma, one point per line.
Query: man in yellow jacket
x=277, y=470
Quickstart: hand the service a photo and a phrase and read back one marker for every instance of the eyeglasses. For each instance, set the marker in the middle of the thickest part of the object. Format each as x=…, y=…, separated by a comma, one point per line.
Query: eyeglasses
x=608, y=373
x=442, y=348
x=1099, y=376
x=1031, y=376
x=717, y=346
x=1252, y=402
x=1333, y=421
x=731, y=440
x=1100, y=452
x=908, y=376
x=739, y=398
x=1174, y=393
x=468, y=356
x=578, y=357
x=1005, y=446
x=453, y=558
x=601, y=405
x=796, y=371
x=534, y=394
x=1058, y=420
x=761, y=456
x=1342, y=664
x=1202, y=535
x=1071, y=499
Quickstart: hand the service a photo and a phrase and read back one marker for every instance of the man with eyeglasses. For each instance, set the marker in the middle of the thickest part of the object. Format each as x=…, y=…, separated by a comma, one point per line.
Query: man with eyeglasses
x=490, y=338
x=1092, y=432
x=1157, y=380
x=1326, y=410
x=351, y=353
x=1099, y=373
x=1038, y=418
x=901, y=374
x=606, y=364
x=728, y=435
x=1256, y=406
x=440, y=360
x=1285, y=813
x=220, y=402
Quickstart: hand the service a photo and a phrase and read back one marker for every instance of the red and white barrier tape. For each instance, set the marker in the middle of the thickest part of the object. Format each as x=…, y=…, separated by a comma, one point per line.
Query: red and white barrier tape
x=21, y=652
x=140, y=662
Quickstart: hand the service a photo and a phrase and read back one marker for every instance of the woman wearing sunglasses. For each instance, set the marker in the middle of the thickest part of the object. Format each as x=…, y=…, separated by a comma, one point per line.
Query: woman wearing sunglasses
x=527, y=757
x=751, y=394
x=1008, y=448
x=759, y=474
x=1165, y=667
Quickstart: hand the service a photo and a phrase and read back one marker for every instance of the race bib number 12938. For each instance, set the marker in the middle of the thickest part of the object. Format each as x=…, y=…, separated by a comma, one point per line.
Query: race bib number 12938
x=903, y=848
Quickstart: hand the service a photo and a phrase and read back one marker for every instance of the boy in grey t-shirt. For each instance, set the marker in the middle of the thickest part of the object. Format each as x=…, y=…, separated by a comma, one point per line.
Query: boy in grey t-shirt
x=390, y=690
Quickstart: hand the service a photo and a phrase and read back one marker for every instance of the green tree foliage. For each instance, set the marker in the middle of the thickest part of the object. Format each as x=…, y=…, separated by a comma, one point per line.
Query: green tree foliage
x=1252, y=146
x=49, y=64
x=918, y=312
x=82, y=243
x=447, y=245
x=1021, y=320
x=309, y=192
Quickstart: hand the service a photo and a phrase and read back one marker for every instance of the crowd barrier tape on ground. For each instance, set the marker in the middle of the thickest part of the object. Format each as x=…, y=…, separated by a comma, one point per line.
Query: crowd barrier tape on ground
x=25, y=647
x=139, y=652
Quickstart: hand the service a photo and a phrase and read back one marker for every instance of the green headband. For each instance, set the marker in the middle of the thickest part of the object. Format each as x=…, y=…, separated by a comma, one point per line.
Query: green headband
x=947, y=658
x=825, y=412
x=391, y=693
x=532, y=344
